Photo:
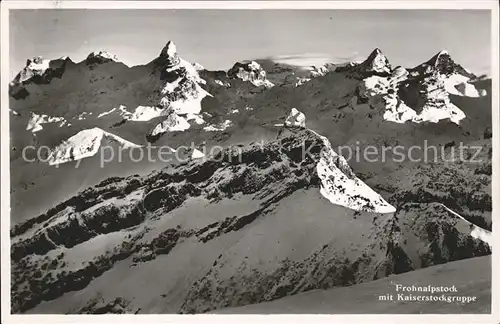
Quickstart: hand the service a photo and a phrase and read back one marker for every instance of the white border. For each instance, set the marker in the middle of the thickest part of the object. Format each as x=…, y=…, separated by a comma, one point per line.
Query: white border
x=352, y=4
x=417, y=318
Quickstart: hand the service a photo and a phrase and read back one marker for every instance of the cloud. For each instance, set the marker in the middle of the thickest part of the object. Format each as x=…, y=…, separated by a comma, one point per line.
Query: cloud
x=308, y=60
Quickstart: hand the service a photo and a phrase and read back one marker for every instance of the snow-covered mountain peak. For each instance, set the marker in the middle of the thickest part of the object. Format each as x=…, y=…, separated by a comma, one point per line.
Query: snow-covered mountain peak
x=169, y=50
x=441, y=64
x=38, y=71
x=377, y=62
x=436, y=103
x=181, y=93
x=169, y=56
x=443, y=51
x=35, y=66
x=35, y=61
x=173, y=123
x=254, y=66
x=36, y=121
x=440, y=57
x=250, y=71
x=85, y=143
x=99, y=57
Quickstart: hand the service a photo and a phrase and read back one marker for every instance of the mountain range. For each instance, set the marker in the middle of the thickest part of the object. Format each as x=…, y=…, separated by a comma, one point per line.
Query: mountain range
x=240, y=215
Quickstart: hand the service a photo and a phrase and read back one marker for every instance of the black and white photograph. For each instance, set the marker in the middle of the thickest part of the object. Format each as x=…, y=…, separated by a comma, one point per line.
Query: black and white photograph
x=264, y=158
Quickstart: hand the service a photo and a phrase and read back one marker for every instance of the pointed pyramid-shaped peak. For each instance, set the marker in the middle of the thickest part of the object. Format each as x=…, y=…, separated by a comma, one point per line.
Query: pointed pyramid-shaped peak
x=377, y=62
x=440, y=57
x=442, y=63
x=168, y=55
x=377, y=51
x=170, y=50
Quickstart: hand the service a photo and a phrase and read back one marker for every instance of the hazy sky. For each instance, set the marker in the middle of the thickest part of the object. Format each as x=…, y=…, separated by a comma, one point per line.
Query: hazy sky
x=218, y=38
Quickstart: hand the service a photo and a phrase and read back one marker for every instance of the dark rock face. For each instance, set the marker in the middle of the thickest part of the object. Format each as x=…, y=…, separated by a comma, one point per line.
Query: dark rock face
x=487, y=133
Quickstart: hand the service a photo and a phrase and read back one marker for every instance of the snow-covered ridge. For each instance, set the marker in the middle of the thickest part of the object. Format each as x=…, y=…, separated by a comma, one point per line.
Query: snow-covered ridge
x=85, y=143
x=341, y=186
x=476, y=231
x=101, y=56
x=38, y=64
x=218, y=128
x=198, y=66
x=36, y=121
x=377, y=62
x=223, y=84
x=315, y=71
x=106, y=113
x=143, y=113
x=301, y=81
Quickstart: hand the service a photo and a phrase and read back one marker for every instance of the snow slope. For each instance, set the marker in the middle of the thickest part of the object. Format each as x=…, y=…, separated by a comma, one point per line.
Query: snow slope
x=36, y=121
x=476, y=231
x=470, y=277
x=341, y=186
x=84, y=144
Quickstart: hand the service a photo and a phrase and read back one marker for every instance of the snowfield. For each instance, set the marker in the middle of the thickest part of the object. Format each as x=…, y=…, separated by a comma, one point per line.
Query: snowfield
x=85, y=143
x=36, y=121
